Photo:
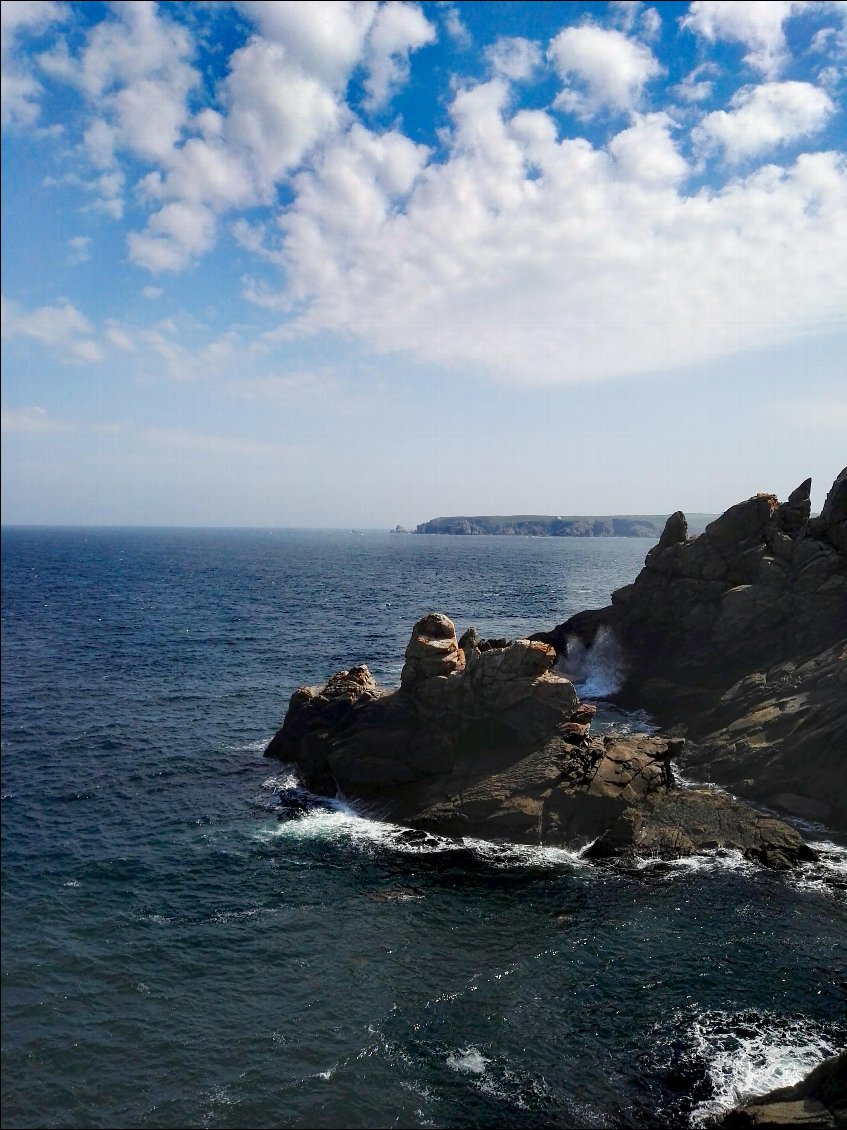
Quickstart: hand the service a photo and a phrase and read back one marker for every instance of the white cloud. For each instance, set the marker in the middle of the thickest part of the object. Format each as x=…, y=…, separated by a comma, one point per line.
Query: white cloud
x=20, y=89
x=119, y=338
x=764, y=117
x=282, y=96
x=697, y=85
x=631, y=15
x=174, y=236
x=608, y=68
x=151, y=292
x=183, y=363
x=651, y=23
x=514, y=57
x=756, y=25
x=564, y=262
x=135, y=70
x=326, y=40
x=31, y=420
x=61, y=327
x=454, y=26
x=399, y=29
x=646, y=152
x=79, y=249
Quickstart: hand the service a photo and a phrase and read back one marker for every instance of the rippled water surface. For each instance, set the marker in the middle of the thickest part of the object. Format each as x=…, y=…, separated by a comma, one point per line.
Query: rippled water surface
x=176, y=955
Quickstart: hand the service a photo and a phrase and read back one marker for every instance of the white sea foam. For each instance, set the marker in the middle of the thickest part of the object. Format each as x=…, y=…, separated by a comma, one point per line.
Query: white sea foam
x=469, y=1060
x=288, y=779
x=828, y=875
x=748, y=1056
x=722, y=859
x=338, y=822
x=257, y=746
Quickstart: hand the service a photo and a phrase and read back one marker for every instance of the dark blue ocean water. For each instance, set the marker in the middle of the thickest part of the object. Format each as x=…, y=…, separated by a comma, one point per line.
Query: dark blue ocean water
x=174, y=955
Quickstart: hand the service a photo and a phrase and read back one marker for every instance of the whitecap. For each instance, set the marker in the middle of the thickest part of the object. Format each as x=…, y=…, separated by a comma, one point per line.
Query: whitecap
x=469, y=1060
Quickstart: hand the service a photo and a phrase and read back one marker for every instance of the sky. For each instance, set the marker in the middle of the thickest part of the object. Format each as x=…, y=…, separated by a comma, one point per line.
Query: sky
x=359, y=264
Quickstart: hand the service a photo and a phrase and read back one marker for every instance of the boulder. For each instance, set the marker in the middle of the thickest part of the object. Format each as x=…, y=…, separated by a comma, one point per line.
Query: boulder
x=432, y=652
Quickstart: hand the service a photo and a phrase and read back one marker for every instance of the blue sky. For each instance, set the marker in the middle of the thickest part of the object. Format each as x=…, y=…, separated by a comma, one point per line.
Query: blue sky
x=354, y=264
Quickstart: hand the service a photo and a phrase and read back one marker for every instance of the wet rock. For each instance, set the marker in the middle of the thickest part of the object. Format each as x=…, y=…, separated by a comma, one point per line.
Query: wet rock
x=691, y=821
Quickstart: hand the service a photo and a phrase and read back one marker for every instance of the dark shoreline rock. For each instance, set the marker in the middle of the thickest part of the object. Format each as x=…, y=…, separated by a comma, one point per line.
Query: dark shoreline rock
x=485, y=740
x=740, y=636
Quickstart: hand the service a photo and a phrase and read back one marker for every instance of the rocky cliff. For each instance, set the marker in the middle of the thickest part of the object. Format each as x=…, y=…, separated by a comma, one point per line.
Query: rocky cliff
x=740, y=635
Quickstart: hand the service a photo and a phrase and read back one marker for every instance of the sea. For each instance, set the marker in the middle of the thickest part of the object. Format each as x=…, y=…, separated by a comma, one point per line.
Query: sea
x=189, y=940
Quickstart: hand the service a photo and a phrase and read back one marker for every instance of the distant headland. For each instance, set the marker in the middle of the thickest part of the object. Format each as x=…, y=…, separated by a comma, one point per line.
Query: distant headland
x=561, y=526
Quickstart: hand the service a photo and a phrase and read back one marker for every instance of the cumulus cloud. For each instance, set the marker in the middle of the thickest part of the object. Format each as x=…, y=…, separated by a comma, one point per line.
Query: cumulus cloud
x=325, y=40
x=602, y=68
x=565, y=261
x=758, y=26
x=135, y=70
x=398, y=30
x=763, y=117
x=514, y=57
x=175, y=235
x=21, y=90
x=646, y=153
x=284, y=94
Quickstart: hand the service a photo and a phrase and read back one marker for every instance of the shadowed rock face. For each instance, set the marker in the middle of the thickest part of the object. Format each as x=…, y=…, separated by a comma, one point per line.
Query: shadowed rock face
x=488, y=741
x=741, y=634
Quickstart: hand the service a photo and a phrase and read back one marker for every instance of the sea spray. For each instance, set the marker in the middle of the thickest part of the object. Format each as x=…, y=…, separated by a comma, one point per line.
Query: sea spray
x=597, y=670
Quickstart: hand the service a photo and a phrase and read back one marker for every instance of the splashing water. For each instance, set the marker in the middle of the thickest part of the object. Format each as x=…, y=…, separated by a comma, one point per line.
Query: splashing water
x=597, y=670
x=751, y=1054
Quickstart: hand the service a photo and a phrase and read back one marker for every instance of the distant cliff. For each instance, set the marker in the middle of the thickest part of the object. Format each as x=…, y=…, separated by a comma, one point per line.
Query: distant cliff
x=560, y=526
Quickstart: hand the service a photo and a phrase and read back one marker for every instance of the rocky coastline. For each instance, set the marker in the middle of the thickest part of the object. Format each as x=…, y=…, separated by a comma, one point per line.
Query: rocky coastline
x=556, y=526
x=737, y=639
x=734, y=640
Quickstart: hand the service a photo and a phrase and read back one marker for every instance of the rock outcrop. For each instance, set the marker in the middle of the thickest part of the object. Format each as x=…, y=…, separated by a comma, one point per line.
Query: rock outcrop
x=484, y=739
x=740, y=634
x=818, y=1102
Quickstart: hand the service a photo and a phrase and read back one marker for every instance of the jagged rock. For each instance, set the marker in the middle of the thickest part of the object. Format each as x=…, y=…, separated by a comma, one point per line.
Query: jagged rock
x=794, y=513
x=762, y=591
x=675, y=532
x=833, y=517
